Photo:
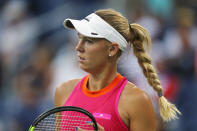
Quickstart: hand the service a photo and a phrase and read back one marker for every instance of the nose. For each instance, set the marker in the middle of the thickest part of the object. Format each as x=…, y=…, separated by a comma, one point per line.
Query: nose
x=79, y=46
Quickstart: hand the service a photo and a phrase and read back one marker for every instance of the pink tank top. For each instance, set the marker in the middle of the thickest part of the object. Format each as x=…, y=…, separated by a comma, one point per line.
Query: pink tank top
x=103, y=104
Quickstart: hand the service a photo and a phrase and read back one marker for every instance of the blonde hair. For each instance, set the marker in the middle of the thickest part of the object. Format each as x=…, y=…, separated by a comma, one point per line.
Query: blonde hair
x=137, y=36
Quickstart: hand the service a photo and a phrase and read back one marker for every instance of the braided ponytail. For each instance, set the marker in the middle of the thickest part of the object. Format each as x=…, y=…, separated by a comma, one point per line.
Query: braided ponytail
x=139, y=36
x=136, y=36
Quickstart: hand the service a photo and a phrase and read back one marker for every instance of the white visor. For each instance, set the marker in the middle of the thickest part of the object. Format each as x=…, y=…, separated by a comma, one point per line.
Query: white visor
x=95, y=27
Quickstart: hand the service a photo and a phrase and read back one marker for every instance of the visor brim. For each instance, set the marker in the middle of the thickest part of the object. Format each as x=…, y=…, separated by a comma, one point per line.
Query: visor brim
x=82, y=26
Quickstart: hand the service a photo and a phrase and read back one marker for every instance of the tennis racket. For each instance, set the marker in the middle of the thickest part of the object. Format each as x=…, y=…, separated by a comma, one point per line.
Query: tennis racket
x=65, y=118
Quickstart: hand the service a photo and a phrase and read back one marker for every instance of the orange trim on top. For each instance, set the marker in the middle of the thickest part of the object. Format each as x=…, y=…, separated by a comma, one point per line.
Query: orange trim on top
x=103, y=91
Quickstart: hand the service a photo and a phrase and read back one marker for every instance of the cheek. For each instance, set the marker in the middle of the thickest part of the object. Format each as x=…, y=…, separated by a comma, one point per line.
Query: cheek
x=97, y=54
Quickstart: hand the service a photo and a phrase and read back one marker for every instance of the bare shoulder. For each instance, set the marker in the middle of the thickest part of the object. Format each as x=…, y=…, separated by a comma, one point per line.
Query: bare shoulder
x=135, y=99
x=134, y=94
x=63, y=91
x=68, y=85
x=139, y=108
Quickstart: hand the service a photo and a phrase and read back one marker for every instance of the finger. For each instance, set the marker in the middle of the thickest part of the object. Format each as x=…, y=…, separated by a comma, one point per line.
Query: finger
x=79, y=129
x=100, y=128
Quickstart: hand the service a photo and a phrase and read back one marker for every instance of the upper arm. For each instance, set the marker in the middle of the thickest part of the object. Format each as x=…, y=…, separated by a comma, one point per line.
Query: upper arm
x=142, y=116
x=63, y=92
x=58, y=100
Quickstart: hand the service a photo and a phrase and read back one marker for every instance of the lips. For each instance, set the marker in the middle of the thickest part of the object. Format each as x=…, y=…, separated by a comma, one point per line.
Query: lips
x=80, y=59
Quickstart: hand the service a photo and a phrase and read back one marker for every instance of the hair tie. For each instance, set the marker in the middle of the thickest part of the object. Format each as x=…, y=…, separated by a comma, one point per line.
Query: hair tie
x=132, y=31
x=160, y=94
x=130, y=28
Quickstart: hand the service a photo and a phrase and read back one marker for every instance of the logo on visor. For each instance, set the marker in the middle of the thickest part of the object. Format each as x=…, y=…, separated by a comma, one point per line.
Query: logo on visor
x=88, y=21
x=94, y=33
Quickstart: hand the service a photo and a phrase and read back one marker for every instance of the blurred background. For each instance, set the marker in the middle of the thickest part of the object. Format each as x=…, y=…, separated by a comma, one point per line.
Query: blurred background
x=37, y=55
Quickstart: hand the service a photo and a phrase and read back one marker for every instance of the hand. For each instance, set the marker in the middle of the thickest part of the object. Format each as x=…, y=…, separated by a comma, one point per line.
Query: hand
x=100, y=128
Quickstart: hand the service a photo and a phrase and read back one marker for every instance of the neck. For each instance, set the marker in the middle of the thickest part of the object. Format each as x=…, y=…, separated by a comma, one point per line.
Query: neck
x=101, y=79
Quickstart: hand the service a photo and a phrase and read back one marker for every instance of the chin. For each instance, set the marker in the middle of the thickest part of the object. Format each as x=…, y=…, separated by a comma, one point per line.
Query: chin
x=85, y=68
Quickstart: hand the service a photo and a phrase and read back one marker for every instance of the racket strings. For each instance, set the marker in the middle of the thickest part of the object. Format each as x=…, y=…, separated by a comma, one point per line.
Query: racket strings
x=48, y=119
x=64, y=121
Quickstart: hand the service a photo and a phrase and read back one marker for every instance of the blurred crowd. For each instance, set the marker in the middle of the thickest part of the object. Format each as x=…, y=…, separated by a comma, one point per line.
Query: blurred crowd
x=37, y=55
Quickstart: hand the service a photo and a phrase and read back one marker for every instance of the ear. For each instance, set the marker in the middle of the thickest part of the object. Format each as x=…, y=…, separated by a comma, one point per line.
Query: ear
x=113, y=49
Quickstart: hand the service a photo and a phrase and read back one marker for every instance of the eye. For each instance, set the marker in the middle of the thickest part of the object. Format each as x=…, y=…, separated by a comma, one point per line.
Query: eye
x=89, y=41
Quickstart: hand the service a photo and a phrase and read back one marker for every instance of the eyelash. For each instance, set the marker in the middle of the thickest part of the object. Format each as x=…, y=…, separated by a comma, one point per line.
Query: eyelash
x=89, y=41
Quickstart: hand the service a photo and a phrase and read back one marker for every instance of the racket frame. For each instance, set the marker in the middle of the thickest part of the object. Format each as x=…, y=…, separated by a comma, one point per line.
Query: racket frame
x=63, y=108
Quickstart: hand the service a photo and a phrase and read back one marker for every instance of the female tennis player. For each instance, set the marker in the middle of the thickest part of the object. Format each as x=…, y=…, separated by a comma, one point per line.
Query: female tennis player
x=116, y=103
